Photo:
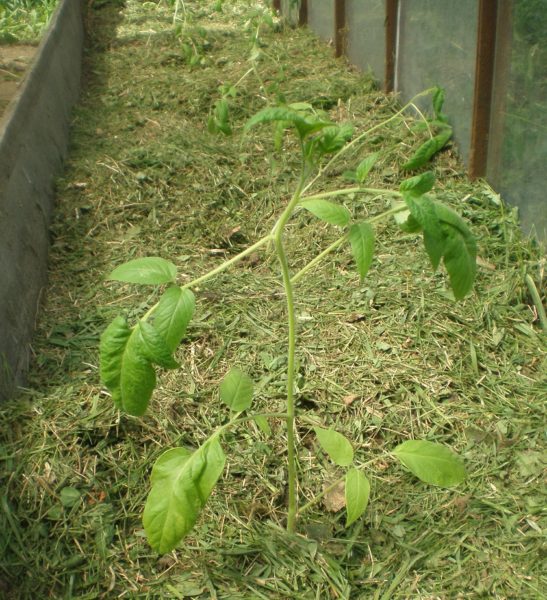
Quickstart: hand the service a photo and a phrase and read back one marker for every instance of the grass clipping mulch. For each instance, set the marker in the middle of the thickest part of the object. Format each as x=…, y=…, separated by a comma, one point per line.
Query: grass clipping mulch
x=392, y=358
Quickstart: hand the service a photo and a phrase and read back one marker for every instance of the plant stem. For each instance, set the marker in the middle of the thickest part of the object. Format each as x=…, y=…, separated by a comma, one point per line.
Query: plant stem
x=228, y=263
x=291, y=413
x=316, y=499
x=537, y=301
x=237, y=419
x=328, y=489
x=277, y=233
x=225, y=265
x=353, y=190
x=319, y=258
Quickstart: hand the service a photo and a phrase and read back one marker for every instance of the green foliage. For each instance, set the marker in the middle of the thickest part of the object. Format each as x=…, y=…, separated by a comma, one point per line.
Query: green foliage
x=127, y=355
x=362, y=239
x=172, y=314
x=305, y=123
x=431, y=462
x=365, y=166
x=151, y=270
x=438, y=103
x=328, y=211
x=357, y=492
x=419, y=184
x=427, y=150
x=335, y=445
x=182, y=481
x=181, y=484
x=219, y=121
x=236, y=390
x=447, y=237
x=24, y=20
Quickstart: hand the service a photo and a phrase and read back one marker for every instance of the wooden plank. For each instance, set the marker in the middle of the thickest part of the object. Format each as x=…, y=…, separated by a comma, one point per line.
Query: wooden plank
x=339, y=27
x=391, y=24
x=484, y=79
x=276, y=5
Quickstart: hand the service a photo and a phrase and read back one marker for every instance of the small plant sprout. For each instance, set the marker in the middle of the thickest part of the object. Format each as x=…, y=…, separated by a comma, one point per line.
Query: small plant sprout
x=182, y=481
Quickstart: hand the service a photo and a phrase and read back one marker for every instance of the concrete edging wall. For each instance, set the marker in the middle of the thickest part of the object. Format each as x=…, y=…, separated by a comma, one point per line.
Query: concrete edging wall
x=33, y=143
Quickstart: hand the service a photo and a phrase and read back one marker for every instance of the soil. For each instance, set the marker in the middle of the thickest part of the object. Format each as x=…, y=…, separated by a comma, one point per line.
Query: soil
x=14, y=62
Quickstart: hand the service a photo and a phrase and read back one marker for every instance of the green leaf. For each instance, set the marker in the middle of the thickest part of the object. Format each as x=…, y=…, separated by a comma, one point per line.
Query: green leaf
x=335, y=445
x=126, y=355
x=438, y=102
x=446, y=236
x=236, y=390
x=357, y=494
x=111, y=348
x=172, y=315
x=405, y=220
x=361, y=239
x=168, y=463
x=433, y=463
x=424, y=211
x=263, y=424
x=333, y=138
x=364, y=167
x=154, y=347
x=137, y=377
x=219, y=121
x=419, y=184
x=304, y=124
x=335, y=214
x=460, y=260
x=427, y=150
x=181, y=485
x=70, y=496
x=460, y=252
x=150, y=270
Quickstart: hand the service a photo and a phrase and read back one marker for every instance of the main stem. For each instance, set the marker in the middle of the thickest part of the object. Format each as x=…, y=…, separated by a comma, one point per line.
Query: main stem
x=291, y=412
x=292, y=507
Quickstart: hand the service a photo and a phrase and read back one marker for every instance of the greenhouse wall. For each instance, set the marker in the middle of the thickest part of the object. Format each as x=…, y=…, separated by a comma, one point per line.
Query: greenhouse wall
x=490, y=56
x=437, y=46
x=321, y=18
x=33, y=143
x=365, y=39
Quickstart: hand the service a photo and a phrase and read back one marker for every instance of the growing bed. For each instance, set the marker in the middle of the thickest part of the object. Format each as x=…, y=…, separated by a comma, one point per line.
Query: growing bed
x=391, y=358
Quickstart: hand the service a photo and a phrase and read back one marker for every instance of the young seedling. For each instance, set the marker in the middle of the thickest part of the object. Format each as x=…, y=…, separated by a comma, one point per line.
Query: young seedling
x=182, y=480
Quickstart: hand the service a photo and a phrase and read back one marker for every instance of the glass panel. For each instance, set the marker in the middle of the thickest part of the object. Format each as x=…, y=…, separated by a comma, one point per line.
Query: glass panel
x=366, y=35
x=437, y=46
x=321, y=18
x=290, y=10
x=518, y=149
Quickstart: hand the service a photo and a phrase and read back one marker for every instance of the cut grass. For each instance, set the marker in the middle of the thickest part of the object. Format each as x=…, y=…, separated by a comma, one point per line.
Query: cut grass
x=24, y=21
x=389, y=359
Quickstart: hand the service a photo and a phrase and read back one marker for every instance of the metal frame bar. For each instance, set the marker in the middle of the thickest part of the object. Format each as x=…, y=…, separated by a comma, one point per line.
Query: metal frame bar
x=502, y=70
x=484, y=81
x=303, y=13
x=339, y=27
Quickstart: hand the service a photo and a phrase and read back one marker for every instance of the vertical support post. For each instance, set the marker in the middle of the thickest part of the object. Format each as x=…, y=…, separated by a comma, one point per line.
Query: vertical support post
x=303, y=13
x=502, y=72
x=276, y=5
x=391, y=25
x=339, y=27
x=484, y=80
